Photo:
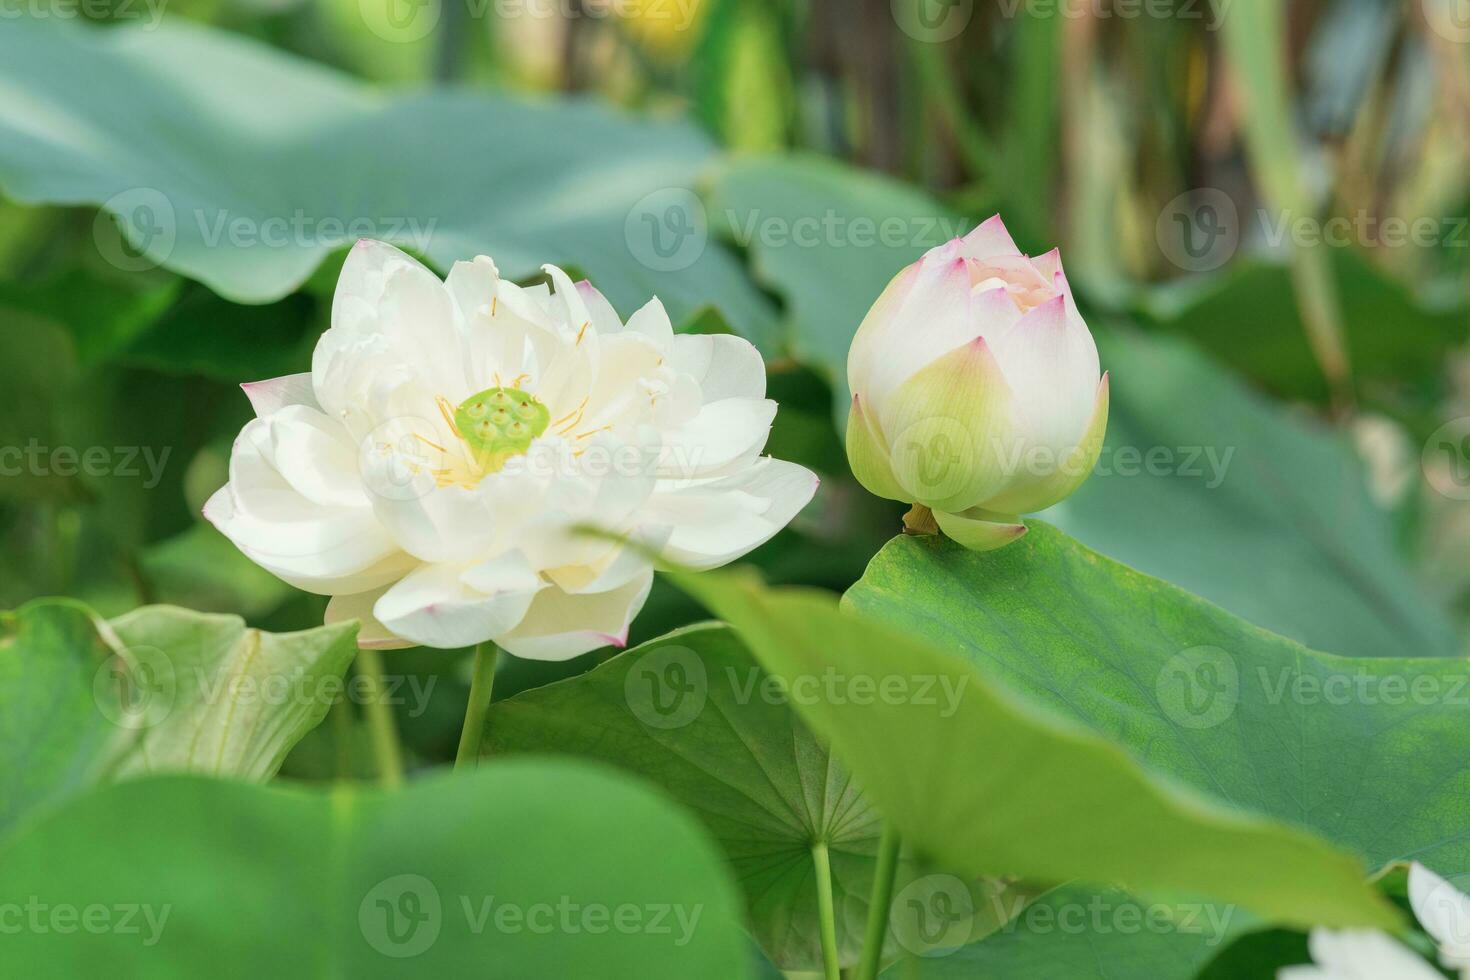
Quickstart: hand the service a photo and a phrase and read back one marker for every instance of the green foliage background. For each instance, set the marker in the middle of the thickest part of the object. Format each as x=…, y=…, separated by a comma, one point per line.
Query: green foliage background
x=1304, y=395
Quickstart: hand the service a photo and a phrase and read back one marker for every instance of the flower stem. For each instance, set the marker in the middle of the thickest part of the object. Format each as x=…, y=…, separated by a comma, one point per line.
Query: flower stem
x=481, y=686
x=878, y=903
x=379, y=713
x=831, y=966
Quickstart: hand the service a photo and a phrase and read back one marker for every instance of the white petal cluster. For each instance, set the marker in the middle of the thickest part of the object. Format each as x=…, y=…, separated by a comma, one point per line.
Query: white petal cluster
x=1366, y=954
x=437, y=471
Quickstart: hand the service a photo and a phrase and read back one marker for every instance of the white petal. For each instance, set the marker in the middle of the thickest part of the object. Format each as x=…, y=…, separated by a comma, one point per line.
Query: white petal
x=725, y=432
x=330, y=552
x=724, y=366
x=1444, y=912
x=989, y=238
x=711, y=523
x=433, y=607
x=652, y=321
x=393, y=323
x=371, y=634
x=316, y=456
x=444, y=524
x=567, y=307
x=270, y=396
x=918, y=323
x=1365, y=954
x=1050, y=361
x=560, y=626
x=605, y=319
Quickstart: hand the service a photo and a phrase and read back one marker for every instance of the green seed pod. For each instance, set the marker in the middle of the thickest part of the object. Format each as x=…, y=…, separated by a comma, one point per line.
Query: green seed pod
x=499, y=423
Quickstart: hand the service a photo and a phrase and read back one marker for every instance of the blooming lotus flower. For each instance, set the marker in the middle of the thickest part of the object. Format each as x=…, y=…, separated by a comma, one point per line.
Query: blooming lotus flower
x=437, y=469
x=976, y=391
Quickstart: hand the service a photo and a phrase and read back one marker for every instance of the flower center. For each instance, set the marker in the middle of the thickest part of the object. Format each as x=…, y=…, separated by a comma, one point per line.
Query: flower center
x=499, y=423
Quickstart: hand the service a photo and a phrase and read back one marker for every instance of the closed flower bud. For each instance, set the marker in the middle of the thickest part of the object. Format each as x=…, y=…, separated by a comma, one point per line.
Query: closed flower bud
x=976, y=390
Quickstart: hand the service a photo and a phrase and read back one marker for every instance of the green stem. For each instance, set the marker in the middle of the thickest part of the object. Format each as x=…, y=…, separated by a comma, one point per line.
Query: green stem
x=379, y=713
x=878, y=903
x=468, y=756
x=831, y=966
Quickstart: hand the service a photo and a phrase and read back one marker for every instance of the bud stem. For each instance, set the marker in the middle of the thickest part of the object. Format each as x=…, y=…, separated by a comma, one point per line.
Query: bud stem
x=481, y=686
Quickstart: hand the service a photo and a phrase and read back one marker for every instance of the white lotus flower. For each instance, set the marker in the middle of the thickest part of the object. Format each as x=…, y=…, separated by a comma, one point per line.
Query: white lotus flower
x=1359, y=954
x=1442, y=910
x=976, y=388
x=433, y=471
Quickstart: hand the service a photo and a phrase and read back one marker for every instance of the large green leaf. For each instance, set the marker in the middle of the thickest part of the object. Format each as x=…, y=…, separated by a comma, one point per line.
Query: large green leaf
x=986, y=783
x=1367, y=753
x=1210, y=486
x=534, y=868
x=84, y=701
x=693, y=713
x=1084, y=934
x=243, y=168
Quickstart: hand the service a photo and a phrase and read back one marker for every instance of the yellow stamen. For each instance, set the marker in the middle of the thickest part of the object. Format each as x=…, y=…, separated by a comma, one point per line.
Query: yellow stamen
x=447, y=410
x=582, y=331
x=575, y=413
x=593, y=432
